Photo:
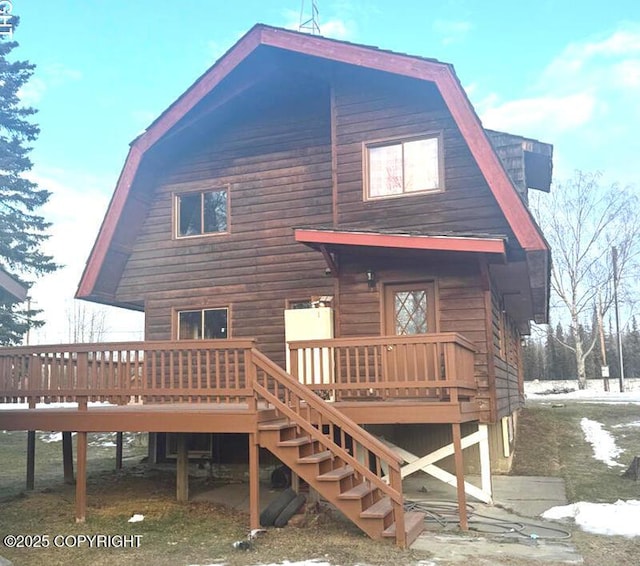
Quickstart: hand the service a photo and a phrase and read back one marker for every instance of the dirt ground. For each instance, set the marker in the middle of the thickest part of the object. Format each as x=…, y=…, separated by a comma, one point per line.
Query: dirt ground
x=173, y=533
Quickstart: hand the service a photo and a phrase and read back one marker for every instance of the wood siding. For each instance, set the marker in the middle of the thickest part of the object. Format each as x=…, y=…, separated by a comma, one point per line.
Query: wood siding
x=509, y=395
x=273, y=151
x=370, y=106
x=279, y=176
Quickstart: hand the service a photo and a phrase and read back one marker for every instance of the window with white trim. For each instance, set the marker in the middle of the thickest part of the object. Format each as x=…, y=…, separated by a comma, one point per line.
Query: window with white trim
x=203, y=324
x=403, y=167
x=199, y=214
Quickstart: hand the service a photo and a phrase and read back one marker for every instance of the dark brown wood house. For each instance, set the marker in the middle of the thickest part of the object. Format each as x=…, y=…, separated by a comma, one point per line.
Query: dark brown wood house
x=329, y=249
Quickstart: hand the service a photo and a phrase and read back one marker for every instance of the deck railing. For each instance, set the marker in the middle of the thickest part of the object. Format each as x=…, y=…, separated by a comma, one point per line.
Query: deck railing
x=159, y=372
x=426, y=366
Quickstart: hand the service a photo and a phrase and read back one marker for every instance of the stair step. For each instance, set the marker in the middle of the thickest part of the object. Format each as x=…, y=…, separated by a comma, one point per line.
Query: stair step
x=413, y=526
x=358, y=492
x=316, y=458
x=378, y=510
x=300, y=441
x=336, y=475
x=280, y=424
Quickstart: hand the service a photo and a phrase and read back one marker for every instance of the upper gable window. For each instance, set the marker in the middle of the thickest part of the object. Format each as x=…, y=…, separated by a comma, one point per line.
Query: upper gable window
x=402, y=167
x=202, y=213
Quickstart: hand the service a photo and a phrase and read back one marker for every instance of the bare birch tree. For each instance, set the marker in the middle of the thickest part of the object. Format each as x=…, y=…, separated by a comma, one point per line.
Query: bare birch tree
x=582, y=221
x=86, y=323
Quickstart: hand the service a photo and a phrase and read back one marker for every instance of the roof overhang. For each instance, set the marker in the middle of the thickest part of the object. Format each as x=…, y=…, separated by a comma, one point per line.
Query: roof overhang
x=319, y=238
x=12, y=286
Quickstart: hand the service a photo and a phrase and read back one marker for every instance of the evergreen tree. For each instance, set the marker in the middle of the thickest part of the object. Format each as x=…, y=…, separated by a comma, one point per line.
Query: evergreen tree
x=22, y=230
x=631, y=342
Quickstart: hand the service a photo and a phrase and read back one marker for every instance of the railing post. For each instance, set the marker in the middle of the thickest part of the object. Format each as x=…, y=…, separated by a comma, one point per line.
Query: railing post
x=293, y=361
x=451, y=369
x=35, y=373
x=395, y=479
x=250, y=375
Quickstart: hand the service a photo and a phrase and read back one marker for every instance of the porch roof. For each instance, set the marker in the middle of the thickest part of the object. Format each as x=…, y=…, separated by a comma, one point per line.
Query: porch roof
x=318, y=239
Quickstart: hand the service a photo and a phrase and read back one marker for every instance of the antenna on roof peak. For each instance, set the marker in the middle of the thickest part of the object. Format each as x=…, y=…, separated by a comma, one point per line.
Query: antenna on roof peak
x=310, y=25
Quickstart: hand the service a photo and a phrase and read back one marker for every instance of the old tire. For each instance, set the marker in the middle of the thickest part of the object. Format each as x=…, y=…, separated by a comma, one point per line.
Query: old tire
x=289, y=511
x=273, y=510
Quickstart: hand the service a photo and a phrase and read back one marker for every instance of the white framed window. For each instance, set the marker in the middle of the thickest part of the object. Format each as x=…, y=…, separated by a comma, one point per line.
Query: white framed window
x=402, y=167
x=202, y=213
x=203, y=324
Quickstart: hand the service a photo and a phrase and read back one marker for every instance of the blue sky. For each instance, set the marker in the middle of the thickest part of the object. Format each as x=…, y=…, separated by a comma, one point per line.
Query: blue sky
x=105, y=70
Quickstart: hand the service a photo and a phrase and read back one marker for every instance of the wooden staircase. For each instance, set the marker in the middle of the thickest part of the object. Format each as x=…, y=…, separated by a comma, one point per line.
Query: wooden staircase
x=335, y=456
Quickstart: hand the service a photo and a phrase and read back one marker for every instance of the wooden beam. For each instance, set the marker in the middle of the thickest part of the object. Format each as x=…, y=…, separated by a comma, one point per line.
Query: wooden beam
x=31, y=459
x=125, y=418
x=67, y=458
x=426, y=465
x=334, y=156
x=485, y=459
x=254, y=481
x=459, y=460
x=330, y=261
x=81, y=480
x=118, y=450
x=182, y=469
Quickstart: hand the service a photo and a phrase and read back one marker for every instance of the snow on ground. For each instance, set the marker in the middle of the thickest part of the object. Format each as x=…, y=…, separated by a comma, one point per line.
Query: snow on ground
x=619, y=518
x=628, y=425
x=602, y=442
x=24, y=406
x=537, y=391
x=622, y=517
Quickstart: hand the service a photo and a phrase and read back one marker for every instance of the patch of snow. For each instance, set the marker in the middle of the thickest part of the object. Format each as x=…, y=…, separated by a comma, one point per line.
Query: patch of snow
x=594, y=393
x=619, y=518
x=627, y=425
x=51, y=437
x=136, y=518
x=24, y=406
x=314, y=562
x=603, y=443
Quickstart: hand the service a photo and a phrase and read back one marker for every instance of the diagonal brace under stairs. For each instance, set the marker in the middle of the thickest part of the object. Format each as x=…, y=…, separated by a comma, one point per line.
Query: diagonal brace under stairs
x=426, y=464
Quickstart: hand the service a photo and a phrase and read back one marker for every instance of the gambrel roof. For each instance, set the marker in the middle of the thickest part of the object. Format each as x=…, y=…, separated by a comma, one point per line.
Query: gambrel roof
x=109, y=253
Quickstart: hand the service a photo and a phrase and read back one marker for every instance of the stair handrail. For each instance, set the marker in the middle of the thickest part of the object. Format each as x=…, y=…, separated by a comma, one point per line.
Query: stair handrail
x=368, y=441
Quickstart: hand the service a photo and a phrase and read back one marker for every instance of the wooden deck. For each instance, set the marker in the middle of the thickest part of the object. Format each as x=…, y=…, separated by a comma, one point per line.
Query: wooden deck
x=206, y=386
x=310, y=419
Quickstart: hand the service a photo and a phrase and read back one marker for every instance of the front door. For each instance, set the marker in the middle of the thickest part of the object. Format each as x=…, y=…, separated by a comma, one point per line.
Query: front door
x=409, y=309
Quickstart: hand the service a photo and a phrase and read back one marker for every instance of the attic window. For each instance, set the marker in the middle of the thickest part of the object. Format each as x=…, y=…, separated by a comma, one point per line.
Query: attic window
x=202, y=213
x=402, y=167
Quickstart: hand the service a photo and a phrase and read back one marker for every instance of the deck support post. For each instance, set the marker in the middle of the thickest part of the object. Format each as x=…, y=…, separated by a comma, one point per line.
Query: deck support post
x=67, y=458
x=295, y=482
x=31, y=459
x=182, y=469
x=485, y=459
x=81, y=479
x=254, y=481
x=459, y=461
x=118, y=450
